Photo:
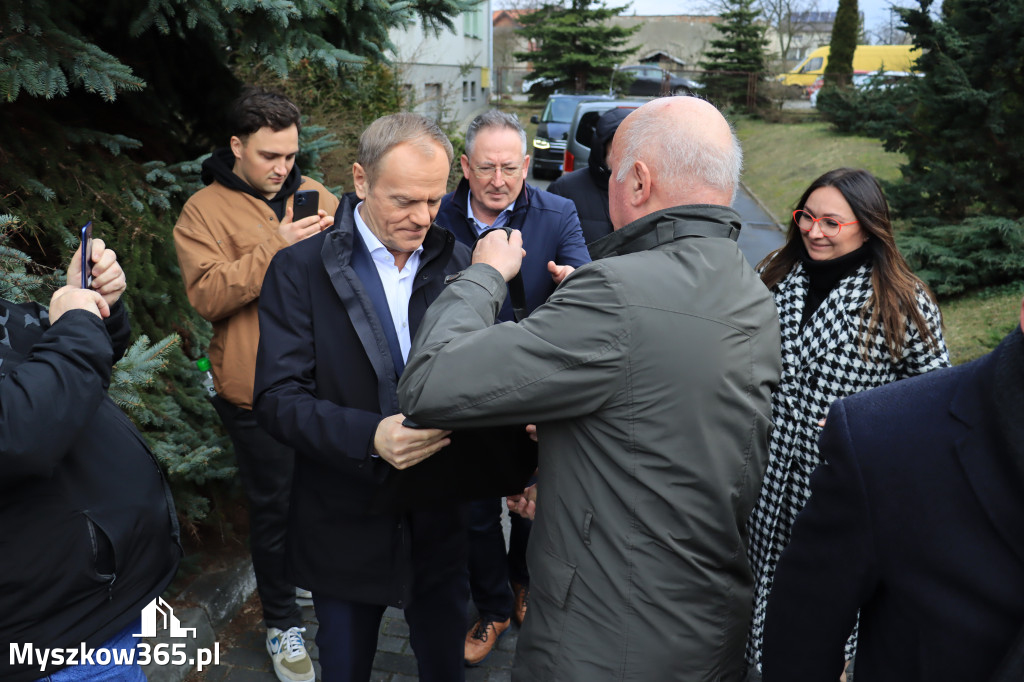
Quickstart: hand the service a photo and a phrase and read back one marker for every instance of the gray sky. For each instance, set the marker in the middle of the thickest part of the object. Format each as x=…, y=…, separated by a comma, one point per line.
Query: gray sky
x=876, y=12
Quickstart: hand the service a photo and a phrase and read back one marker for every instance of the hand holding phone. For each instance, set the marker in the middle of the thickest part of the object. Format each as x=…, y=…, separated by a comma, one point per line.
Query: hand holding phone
x=305, y=204
x=85, y=235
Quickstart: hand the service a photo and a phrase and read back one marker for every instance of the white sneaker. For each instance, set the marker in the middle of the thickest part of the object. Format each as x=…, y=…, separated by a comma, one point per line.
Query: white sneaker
x=303, y=594
x=288, y=651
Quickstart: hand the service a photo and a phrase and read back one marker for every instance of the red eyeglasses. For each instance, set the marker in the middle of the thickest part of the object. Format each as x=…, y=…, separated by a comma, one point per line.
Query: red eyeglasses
x=830, y=227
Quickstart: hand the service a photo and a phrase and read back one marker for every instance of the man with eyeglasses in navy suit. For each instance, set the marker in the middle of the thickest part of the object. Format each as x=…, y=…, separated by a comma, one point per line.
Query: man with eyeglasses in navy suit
x=492, y=194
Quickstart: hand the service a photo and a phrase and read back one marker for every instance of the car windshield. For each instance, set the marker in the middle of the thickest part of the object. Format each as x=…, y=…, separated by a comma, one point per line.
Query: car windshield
x=559, y=110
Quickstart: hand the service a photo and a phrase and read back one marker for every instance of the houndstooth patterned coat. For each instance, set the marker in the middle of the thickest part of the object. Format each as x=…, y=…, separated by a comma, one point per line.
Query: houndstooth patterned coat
x=822, y=362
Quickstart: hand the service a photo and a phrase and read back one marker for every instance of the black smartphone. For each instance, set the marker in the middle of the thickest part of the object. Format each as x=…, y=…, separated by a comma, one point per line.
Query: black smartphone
x=85, y=234
x=307, y=203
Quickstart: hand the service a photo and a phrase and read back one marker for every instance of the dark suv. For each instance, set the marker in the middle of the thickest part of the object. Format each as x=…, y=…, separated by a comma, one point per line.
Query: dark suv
x=645, y=79
x=581, y=129
x=552, y=130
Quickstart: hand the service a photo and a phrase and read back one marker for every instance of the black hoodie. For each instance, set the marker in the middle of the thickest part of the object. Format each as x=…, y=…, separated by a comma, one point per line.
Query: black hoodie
x=588, y=187
x=220, y=167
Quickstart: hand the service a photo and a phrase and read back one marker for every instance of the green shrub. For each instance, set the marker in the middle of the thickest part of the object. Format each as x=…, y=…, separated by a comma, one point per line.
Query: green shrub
x=954, y=259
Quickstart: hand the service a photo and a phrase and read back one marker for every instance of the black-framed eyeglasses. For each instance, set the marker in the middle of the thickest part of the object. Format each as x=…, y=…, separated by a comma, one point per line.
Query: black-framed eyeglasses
x=830, y=227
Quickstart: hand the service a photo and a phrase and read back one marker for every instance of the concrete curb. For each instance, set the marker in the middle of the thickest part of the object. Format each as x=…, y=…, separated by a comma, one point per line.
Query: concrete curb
x=219, y=596
x=761, y=204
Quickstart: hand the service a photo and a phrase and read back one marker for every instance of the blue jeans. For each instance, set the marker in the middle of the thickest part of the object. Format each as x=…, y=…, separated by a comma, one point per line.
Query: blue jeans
x=111, y=672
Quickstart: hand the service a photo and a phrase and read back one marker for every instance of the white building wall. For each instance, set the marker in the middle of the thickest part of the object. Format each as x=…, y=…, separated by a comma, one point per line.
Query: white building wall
x=448, y=75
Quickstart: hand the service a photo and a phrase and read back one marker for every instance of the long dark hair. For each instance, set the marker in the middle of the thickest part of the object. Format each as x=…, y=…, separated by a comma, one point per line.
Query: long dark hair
x=893, y=301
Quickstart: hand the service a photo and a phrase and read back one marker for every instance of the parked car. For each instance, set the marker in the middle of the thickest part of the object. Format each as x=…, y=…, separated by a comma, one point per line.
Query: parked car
x=552, y=132
x=581, y=129
x=648, y=80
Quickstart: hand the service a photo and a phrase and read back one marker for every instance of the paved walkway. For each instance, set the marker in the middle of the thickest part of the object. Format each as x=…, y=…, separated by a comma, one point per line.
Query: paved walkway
x=244, y=656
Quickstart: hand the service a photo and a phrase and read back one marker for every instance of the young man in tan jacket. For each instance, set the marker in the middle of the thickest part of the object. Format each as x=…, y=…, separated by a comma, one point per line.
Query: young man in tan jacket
x=225, y=237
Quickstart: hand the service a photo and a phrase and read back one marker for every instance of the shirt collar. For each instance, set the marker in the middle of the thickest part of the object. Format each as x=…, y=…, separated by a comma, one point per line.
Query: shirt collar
x=377, y=250
x=501, y=220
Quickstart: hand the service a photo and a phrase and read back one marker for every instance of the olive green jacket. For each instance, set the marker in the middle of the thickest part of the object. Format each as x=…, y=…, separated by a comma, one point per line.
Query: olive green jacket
x=649, y=374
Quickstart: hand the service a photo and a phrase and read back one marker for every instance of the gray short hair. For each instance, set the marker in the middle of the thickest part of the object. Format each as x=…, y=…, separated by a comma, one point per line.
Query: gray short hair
x=680, y=155
x=387, y=132
x=493, y=119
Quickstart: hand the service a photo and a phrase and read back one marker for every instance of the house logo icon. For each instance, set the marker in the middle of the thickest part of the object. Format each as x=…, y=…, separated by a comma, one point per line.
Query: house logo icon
x=158, y=611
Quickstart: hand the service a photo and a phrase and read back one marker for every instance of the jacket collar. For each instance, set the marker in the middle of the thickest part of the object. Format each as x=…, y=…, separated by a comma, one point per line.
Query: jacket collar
x=340, y=236
x=336, y=256
x=989, y=404
x=220, y=166
x=461, y=196
x=836, y=321
x=669, y=225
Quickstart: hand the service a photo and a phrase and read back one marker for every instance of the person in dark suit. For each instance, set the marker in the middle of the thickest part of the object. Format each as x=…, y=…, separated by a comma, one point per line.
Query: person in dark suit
x=336, y=315
x=588, y=187
x=493, y=193
x=916, y=520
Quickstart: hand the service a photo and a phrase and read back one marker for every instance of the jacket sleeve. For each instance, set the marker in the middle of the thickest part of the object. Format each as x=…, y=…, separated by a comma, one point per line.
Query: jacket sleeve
x=572, y=248
x=828, y=570
x=286, y=400
x=918, y=355
x=119, y=329
x=217, y=284
x=561, y=362
x=50, y=396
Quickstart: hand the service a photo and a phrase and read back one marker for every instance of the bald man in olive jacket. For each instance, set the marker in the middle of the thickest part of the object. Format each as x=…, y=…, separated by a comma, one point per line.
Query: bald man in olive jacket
x=649, y=375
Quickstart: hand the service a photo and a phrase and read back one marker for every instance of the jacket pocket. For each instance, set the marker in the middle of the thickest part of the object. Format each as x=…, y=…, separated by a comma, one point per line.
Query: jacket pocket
x=104, y=556
x=555, y=580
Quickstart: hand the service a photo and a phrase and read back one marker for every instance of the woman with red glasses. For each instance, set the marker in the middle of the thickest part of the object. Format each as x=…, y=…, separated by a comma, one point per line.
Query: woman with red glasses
x=853, y=317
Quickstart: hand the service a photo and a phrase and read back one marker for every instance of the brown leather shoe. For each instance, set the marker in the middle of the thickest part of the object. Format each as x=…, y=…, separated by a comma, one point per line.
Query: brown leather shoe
x=522, y=593
x=482, y=637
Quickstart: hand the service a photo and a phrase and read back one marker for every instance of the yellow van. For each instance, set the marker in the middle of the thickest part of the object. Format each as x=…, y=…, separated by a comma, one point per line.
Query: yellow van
x=866, y=59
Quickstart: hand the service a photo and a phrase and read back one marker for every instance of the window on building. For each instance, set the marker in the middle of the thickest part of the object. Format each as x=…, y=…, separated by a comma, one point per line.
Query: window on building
x=432, y=98
x=472, y=23
x=465, y=91
x=472, y=90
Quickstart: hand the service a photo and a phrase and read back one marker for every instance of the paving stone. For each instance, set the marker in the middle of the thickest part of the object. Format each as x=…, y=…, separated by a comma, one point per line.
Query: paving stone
x=395, y=627
x=246, y=675
x=395, y=645
x=254, y=659
x=395, y=663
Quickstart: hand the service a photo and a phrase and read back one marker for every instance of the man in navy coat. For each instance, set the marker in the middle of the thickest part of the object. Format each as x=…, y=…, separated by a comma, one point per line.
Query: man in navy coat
x=916, y=520
x=337, y=312
x=494, y=193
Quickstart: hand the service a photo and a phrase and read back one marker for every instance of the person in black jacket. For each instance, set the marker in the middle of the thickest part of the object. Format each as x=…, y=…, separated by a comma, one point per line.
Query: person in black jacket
x=337, y=312
x=89, y=534
x=916, y=521
x=588, y=187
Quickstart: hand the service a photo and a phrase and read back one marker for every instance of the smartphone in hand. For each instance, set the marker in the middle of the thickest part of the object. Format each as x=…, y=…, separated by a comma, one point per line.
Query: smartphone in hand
x=85, y=234
x=306, y=204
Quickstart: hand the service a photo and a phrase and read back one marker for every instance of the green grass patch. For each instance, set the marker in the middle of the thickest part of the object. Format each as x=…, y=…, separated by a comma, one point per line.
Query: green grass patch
x=975, y=324
x=782, y=159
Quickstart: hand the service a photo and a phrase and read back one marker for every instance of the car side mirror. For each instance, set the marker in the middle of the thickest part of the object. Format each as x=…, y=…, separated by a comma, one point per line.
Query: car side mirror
x=535, y=119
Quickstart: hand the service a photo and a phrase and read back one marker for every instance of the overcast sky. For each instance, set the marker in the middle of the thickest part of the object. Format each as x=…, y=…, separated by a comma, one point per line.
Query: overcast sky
x=876, y=12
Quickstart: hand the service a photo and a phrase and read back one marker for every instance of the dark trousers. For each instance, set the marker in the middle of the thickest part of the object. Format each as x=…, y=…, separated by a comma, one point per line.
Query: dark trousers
x=265, y=468
x=490, y=567
x=436, y=614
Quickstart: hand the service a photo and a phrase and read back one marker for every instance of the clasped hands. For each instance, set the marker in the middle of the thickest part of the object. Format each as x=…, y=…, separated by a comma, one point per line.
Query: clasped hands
x=504, y=252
